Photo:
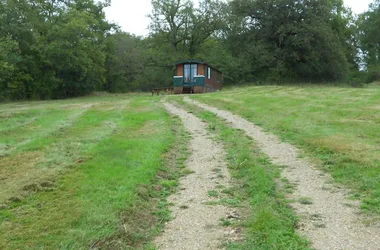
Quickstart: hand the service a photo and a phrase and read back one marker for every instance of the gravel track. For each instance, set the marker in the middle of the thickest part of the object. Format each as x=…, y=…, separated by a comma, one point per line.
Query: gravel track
x=196, y=225
x=327, y=217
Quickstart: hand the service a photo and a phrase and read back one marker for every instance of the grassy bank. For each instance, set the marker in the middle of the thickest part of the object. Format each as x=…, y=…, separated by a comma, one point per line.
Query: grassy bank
x=270, y=222
x=338, y=126
x=87, y=172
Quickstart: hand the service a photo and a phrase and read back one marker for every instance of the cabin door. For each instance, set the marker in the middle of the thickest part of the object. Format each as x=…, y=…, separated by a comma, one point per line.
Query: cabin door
x=190, y=70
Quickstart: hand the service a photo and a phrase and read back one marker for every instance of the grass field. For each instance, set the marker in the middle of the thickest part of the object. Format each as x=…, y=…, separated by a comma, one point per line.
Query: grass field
x=340, y=127
x=270, y=223
x=72, y=172
x=94, y=172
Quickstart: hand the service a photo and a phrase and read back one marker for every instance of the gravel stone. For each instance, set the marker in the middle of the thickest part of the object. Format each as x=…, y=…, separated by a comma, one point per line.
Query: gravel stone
x=198, y=226
x=339, y=220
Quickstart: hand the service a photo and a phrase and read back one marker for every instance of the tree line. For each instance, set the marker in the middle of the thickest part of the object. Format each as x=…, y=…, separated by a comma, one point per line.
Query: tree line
x=52, y=49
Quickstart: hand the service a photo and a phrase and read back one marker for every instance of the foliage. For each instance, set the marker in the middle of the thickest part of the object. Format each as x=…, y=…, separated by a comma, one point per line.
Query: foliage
x=183, y=26
x=373, y=73
x=9, y=56
x=295, y=40
x=369, y=38
x=60, y=49
x=124, y=62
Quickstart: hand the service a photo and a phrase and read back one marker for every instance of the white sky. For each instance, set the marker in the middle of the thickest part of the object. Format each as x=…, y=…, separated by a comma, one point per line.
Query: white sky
x=131, y=15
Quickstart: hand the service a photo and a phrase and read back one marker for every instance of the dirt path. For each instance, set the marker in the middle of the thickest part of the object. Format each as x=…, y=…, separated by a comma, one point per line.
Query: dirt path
x=196, y=225
x=328, y=218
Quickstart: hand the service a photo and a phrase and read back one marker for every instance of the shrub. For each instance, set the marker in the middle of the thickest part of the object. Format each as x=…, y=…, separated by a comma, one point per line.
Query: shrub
x=373, y=74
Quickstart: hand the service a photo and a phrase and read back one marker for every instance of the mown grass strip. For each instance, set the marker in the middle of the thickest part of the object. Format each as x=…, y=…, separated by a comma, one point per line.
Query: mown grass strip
x=107, y=200
x=53, y=147
x=339, y=127
x=14, y=137
x=271, y=223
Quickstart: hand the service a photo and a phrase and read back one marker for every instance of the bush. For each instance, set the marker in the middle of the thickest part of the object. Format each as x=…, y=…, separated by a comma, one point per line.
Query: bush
x=357, y=78
x=373, y=74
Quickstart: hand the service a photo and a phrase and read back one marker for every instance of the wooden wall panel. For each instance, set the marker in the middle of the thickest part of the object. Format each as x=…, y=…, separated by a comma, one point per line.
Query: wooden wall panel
x=201, y=71
x=213, y=82
x=180, y=70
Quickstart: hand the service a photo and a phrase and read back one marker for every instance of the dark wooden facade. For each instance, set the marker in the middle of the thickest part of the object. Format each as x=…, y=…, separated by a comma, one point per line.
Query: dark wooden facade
x=193, y=76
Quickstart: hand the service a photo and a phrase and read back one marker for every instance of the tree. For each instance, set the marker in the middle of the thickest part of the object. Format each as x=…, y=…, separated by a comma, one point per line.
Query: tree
x=9, y=74
x=369, y=38
x=205, y=21
x=293, y=40
x=60, y=47
x=65, y=48
x=182, y=24
x=172, y=18
x=124, y=63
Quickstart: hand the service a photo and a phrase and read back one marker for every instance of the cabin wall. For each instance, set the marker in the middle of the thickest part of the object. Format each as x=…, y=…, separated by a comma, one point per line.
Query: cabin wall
x=215, y=83
x=180, y=70
x=199, y=89
x=177, y=90
x=211, y=85
x=201, y=70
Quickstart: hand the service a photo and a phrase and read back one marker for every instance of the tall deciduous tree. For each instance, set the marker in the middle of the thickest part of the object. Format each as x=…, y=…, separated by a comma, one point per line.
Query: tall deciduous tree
x=124, y=63
x=172, y=18
x=59, y=47
x=292, y=39
x=184, y=26
x=369, y=38
x=66, y=48
x=205, y=21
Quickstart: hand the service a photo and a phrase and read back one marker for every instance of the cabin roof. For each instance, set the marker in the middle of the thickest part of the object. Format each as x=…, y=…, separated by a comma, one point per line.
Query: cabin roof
x=189, y=61
x=195, y=61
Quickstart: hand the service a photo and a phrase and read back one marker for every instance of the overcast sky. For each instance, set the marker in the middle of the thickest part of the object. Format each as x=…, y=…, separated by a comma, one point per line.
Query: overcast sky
x=131, y=15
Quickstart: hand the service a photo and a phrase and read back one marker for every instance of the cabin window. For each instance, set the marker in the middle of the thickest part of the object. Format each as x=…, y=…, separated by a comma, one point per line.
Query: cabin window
x=209, y=73
x=190, y=70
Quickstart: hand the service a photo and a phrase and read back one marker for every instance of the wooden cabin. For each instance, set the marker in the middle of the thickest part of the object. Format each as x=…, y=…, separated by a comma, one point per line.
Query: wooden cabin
x=193, y=76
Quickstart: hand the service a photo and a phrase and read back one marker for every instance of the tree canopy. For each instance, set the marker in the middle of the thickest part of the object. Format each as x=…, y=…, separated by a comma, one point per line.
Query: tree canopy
x=369, y=39
x=65, y=48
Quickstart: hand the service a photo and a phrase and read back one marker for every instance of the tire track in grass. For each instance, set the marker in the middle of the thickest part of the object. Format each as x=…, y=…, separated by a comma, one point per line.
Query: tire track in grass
x=327, y=217
x=196, y=225
x=267, y=222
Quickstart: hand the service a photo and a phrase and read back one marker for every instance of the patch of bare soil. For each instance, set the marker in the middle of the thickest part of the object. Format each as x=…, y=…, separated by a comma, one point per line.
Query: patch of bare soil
x=196, y=224
x=327, y=217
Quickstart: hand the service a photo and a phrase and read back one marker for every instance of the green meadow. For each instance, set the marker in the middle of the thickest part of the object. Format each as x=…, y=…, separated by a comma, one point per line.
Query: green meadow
x=94, y=172
x=338, y=127
x=76, y=172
